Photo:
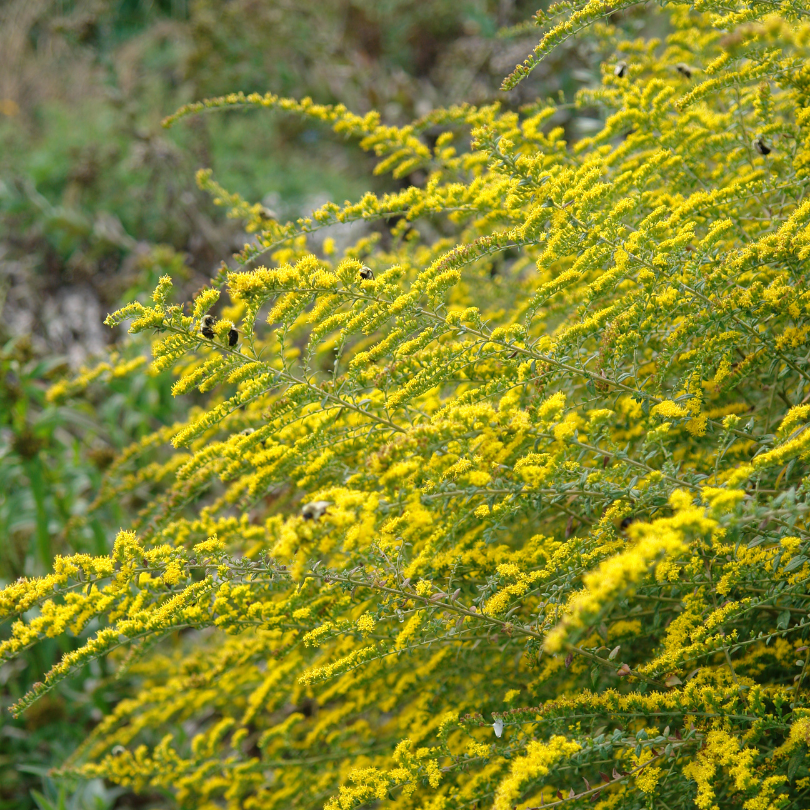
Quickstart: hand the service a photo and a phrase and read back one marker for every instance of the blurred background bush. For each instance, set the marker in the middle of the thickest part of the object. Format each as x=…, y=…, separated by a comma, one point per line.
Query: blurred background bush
x=97, y=201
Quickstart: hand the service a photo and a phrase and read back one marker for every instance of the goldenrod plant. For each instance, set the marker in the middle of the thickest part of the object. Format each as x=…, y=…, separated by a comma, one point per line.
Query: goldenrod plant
x=504, y=505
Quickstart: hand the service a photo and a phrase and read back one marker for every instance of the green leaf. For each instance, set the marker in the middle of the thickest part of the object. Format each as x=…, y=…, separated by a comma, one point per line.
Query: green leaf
x=795, y=761
x=795, y=563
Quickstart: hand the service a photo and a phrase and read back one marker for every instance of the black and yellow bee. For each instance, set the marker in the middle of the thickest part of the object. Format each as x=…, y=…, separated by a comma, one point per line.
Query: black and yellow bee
x=762, y=147
x=206, y=327
x=249, y=431
x=315, y=510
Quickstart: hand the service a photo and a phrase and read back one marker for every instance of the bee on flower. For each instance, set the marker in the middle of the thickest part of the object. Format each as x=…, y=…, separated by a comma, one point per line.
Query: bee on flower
x=207, y=327
x=249, y=432
x=762, y=147
x=315, y=510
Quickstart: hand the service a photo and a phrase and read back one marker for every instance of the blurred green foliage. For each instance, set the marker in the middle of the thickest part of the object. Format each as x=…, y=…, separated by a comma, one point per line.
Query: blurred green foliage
x=87, y=171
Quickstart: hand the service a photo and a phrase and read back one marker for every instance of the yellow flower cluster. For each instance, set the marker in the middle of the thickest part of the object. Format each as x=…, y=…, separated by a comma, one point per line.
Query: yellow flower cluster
x=507, y=507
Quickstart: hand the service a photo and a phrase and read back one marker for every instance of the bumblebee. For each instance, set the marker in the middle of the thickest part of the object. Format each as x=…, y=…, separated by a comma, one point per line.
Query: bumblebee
x=233, y=337
x=685, y=70
x=206, y=327
x=365, y=273
x=762, y=147
x=248, y=431
x=620, y=70
x=315, y=510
